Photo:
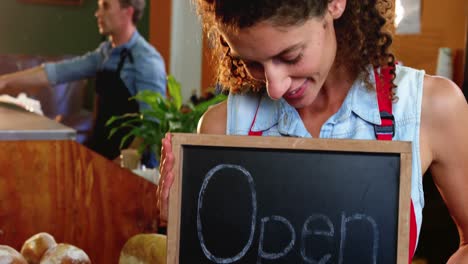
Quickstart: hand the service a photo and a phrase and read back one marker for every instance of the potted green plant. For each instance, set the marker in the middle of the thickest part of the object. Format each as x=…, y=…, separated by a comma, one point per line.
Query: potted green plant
x=163, y=115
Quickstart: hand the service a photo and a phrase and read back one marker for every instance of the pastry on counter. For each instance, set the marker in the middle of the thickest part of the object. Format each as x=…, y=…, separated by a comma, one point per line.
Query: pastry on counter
x=65, y=254
x=33, y=249
x=9, y=255
x=144, y=249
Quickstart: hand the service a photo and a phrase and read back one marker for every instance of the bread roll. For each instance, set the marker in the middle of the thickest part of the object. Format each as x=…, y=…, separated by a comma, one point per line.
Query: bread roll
x=65, y=254
x=144, y=249
x=33, y=249
x=9, y=255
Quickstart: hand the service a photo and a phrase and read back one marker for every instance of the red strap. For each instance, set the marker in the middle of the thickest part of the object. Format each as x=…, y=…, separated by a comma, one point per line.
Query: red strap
x=413, y=234
x=255, y=133
x=383, y=83
x=383, y=86
x=384, y=99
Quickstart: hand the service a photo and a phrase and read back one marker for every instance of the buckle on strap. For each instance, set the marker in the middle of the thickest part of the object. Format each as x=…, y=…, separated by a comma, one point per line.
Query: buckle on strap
x=385, y=129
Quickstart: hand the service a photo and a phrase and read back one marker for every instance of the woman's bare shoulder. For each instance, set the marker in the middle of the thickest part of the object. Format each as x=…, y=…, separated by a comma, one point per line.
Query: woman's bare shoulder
x=442, y=98
x=214, y=120
x=444, y=118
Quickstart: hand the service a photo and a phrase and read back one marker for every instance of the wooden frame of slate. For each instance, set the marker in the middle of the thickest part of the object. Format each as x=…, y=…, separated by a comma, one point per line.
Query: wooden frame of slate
x=239, y=199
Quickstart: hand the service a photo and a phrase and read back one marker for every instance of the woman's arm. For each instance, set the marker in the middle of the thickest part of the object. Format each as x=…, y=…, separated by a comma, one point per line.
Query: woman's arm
x=212, y=122
x=444, y=150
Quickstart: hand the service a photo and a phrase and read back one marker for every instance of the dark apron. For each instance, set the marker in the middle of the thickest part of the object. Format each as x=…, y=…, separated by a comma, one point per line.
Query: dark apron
x=111, y=100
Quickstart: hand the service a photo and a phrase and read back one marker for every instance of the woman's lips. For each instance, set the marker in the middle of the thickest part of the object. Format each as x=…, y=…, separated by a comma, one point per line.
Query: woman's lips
x=296, y=93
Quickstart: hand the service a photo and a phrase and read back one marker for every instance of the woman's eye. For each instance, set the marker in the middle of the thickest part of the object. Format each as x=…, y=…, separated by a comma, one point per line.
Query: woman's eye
x=292, y=60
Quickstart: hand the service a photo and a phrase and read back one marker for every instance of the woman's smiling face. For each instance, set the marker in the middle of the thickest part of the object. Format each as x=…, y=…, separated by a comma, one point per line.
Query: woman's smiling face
x=293, y=61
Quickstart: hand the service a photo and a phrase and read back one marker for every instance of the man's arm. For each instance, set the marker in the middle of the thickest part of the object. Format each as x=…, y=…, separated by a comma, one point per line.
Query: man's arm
x=32, y=78
x=444, y=150
x=52, y=73
x=150, y=74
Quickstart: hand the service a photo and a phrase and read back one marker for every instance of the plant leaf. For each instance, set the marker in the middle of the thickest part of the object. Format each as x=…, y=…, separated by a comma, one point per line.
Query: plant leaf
x=161, y=115
x=174, y=91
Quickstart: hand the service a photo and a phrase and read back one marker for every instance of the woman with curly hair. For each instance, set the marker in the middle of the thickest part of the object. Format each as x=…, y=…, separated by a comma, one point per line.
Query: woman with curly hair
x=323, y=69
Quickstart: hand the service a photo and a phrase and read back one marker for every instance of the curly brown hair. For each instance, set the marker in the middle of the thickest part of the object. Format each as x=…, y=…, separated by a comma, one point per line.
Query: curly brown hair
x=362, y=32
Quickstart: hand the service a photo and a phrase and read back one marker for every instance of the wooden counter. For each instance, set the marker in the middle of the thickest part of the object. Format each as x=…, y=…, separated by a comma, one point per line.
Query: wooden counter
x=76, y=195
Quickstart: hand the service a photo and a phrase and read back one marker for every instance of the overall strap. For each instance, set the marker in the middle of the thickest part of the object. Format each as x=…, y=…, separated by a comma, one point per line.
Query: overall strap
x=383, y=82
x=255, y=133
x=386, y=131
x=123, y=55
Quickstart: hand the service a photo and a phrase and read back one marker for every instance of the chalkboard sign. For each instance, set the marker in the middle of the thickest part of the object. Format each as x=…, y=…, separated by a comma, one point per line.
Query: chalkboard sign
x=238, y=199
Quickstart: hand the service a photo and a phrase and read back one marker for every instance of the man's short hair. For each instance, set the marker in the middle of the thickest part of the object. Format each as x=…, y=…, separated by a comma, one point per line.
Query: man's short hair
x=138, y=6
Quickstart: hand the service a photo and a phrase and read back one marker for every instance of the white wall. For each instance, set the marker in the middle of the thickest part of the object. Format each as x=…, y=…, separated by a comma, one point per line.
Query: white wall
x=186, y=47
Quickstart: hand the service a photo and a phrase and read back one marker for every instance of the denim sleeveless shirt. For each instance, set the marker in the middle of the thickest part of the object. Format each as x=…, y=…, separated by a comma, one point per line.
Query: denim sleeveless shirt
x=354, y=120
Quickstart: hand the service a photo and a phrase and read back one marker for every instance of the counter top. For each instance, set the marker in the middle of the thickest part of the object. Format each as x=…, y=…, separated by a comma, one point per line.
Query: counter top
x=17, y=123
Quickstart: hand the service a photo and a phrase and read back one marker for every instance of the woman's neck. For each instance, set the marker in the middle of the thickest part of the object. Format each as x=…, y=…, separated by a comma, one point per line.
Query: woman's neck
x=329, y=100
x=333, y=92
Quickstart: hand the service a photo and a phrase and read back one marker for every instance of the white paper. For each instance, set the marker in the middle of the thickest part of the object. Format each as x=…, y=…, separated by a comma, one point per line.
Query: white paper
x=23, y=101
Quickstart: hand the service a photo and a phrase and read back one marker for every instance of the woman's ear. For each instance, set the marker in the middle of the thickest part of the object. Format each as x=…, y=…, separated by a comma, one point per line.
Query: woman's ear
x=336, y=8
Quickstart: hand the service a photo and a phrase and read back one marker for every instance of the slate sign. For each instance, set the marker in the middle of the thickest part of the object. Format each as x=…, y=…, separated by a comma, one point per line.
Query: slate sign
x=240, y=199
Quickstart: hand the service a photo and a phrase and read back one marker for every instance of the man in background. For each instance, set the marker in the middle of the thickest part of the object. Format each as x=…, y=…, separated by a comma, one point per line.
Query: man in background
x=123, y=65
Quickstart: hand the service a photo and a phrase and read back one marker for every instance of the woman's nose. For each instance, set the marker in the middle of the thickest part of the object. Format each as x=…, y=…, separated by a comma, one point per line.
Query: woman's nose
x=277, y=81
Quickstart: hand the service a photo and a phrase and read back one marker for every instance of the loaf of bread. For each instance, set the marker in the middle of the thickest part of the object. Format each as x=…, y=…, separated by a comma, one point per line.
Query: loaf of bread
x=144, y=249
x=33, y=249
x=65, y=254
x=9, y=255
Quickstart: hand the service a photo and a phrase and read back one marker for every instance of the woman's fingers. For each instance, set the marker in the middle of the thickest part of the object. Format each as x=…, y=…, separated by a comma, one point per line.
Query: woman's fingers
x=166, y=178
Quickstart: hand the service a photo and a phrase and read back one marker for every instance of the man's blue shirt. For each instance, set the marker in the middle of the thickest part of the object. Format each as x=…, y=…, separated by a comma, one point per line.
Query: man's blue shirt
x=147, y=72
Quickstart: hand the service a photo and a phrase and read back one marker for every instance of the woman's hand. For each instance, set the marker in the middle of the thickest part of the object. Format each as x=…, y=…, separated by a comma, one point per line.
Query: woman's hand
x=166, y=179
